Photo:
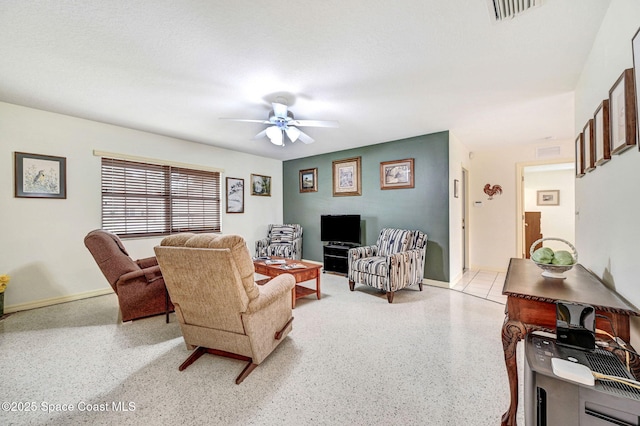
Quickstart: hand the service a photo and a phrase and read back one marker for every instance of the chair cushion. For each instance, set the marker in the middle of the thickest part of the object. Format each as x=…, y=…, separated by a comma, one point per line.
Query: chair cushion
x=376, y=265
x=235, y=243
x=281, y=234
x=393, y=241
x=279, y=250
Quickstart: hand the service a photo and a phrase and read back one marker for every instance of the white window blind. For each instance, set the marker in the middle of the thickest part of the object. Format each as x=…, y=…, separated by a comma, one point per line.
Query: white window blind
x=144, y=199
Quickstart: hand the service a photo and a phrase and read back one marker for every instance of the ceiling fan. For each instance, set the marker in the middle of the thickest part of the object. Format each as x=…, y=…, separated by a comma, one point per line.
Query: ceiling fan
x=281, y=122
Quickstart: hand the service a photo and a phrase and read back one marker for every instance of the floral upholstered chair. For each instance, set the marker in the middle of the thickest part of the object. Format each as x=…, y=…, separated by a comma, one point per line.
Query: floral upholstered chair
x=282, y=241
x=396, y=261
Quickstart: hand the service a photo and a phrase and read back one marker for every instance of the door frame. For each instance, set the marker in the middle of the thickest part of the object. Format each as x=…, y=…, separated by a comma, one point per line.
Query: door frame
x=465, y=217
x=520, y=249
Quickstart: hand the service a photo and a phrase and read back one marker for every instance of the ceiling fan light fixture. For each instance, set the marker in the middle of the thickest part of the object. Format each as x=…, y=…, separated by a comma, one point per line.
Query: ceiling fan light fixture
x=275, y=135
x=282, y=121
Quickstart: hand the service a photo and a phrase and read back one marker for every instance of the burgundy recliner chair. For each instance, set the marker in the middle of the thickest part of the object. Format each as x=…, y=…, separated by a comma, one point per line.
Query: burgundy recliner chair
x=138, y=284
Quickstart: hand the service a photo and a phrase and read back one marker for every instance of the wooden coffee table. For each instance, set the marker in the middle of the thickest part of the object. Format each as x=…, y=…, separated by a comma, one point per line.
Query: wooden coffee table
x=309, y=272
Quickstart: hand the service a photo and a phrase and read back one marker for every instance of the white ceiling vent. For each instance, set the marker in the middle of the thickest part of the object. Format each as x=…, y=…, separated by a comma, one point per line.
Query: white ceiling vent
x=506, y=9
x=547, y=152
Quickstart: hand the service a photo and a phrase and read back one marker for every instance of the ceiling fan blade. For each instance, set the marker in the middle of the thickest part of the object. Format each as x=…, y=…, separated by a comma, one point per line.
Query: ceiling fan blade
x=315, y=123
x=262, y=134
x=292, y=133
x=279, y=110
x=247, y=120
x=305, y=138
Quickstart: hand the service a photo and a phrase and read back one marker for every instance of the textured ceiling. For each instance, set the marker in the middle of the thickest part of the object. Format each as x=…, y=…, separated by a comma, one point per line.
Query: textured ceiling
x=386, y=70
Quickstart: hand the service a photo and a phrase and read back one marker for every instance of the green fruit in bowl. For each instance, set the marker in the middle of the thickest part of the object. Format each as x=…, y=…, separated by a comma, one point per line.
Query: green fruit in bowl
x=562, y=257
x=543, y=255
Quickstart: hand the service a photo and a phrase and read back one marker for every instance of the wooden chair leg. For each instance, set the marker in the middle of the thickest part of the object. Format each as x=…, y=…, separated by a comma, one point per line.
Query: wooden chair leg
x=197, y=353
x=166, y=304
x=420, y=285
x=247, y=370
x=280, y=332
x=390, y=296
x=352, y=285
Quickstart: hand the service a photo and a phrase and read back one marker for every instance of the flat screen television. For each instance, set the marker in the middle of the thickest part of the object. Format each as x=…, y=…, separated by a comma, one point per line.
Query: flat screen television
x=344, y=228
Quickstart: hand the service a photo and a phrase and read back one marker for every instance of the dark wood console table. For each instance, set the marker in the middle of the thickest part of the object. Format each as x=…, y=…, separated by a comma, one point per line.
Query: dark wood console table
x=531, y=306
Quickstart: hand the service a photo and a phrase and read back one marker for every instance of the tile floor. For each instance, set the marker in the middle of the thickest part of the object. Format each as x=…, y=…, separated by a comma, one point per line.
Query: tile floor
x=483, y=284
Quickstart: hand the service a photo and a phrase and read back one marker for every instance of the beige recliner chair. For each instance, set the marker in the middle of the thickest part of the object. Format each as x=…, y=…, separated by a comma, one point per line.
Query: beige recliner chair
x=220, y=308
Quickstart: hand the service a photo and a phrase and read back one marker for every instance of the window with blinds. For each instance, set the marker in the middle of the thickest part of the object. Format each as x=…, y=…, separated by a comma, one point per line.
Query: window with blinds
x=141, y=199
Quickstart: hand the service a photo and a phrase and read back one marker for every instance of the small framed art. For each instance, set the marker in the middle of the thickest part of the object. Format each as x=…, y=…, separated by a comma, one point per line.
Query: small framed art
x=549, y=198
x=396, y=174
x=635, y=46
x=579, y=156
x=40, y=176
x=261, y=185
x=589, y=147
x=347, y=177
x=622, y=112
x=601, y=133
x=235, y=195
x=309, y=180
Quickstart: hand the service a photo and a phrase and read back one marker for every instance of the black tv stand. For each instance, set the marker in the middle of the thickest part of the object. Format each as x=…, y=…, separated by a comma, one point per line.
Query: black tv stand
x=336, y=257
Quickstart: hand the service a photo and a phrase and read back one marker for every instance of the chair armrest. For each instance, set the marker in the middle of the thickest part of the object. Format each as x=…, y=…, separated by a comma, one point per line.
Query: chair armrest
x=362, y=252
x=147, y=262
x=271, y=291
x=151, y=274
x=405, y=268
x=297, y=248
x=297, y=243
x=261, y=245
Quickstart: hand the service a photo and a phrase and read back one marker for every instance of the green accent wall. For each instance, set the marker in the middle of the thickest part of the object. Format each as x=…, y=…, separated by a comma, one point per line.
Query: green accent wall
x=424, y=207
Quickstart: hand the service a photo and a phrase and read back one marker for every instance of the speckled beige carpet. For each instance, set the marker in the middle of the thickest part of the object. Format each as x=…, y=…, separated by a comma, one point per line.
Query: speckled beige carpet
x=430, y=358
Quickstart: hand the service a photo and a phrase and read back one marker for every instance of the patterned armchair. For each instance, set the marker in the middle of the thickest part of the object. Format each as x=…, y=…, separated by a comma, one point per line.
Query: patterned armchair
x=395, y=262
x=282, y=241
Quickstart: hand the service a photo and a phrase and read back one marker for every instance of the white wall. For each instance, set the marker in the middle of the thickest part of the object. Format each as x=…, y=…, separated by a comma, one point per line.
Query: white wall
x=555, y=221
x=608, y=199
x=42, y=245
x=458, y=159
x=493, y=225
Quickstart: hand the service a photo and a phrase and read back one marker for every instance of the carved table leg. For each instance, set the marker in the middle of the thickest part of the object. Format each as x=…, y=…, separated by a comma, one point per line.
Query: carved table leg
x=512, y=332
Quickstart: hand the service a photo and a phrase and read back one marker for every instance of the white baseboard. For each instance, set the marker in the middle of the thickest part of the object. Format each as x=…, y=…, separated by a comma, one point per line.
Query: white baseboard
x=55, y=300
x=435, y=283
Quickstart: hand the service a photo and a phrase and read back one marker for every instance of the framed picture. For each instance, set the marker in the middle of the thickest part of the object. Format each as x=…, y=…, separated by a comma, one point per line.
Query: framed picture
x=309, y=180
x=579, y=156
x=396, y=174
x=347, y=177
x=549, y=198
x=622, y=112
x=635, y=45
x=261, y=185
x=601, y=133
x=40, y=176
x=235, y=195
x=589, y=147
x=456, y=188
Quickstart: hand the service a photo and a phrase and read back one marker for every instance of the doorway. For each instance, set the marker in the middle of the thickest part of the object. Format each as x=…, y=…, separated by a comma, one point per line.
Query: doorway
x=556, y=218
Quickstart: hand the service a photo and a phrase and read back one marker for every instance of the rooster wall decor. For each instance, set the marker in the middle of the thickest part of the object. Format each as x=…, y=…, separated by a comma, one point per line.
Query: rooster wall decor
x=492, y=190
